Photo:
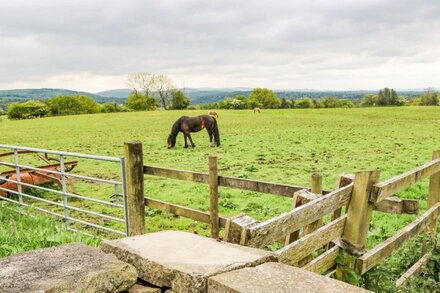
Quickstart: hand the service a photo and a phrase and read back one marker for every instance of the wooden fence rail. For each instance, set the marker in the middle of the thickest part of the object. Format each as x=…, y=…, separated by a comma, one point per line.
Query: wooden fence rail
x=182, y=211
x=306, y=245
x=275, y=228
x=385, y=248
x=385, y=189
x=231, y=182
x=414, y=270
x=324, y=262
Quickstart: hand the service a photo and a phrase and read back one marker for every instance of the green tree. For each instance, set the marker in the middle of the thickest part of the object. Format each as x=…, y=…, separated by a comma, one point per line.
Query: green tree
x=369, y=101
x=140, y=102
x=28, y=110
x=402, y=101
x=346, y=103
x=304, y=103
x=415, y=101
x=262, y=97
x=285, y=103
x=317, y=104
x=387, y=97
x=110, y=107
x=136, y=101
x=330, y=102
x=72, y=105
x=179, y=100
x=232, y=103
x=429, y=98
x=240, y=98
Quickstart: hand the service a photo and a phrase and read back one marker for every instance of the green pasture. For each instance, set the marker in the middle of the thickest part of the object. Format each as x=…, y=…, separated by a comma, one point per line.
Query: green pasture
x=284, y=146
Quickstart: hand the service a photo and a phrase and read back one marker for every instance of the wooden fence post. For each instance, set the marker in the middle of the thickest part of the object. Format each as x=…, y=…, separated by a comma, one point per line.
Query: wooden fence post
x=359, y=214
x=316, y=189
x=213, y=192
x=343, y=181
x=135, y=187
x=301, y=197
x=434, y=192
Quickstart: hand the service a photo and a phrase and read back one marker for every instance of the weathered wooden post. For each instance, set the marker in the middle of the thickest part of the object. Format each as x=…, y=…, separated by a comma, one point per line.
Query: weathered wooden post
x=316, y=189
x=301, y=197
x=343, y=181
x=359, y=214
x=134, y=166
x=296, y=202
x=434, y=192
x=213, y=192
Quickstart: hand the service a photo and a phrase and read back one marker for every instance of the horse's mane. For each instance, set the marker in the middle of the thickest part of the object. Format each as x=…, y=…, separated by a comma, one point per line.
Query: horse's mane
x=176, y=128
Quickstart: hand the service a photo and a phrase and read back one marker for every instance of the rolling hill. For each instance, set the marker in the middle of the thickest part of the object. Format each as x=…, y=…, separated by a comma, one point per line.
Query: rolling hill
x=197, y=95
x=44, y=93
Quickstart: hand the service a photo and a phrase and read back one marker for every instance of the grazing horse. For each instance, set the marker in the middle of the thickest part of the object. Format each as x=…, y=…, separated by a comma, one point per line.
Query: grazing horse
x=213, y=113
x=187, y=124
x=256, y=110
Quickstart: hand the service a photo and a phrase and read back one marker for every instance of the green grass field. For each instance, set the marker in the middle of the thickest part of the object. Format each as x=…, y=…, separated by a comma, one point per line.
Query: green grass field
x=283, y=146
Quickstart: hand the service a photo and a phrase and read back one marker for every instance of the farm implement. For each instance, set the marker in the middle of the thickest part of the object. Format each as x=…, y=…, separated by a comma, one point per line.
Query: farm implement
x=33, y=176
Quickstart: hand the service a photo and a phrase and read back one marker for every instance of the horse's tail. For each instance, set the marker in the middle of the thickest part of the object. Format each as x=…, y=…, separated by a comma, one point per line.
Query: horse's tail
x=216, y=132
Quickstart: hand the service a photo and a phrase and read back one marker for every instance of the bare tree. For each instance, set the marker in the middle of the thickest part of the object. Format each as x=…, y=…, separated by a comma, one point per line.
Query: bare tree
x=163, y=86
x=141, y=81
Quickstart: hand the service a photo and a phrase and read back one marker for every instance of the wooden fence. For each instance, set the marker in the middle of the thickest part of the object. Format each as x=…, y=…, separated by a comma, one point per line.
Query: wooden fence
x=135, y=178
x=427, y=222
x=308, y=242
x=349, y=232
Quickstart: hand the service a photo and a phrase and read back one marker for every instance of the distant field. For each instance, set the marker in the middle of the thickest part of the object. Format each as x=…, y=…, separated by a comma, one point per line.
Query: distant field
x=283, y=146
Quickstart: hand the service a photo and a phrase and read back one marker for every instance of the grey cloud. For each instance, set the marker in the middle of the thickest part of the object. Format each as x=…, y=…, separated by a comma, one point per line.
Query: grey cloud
x=243, y=39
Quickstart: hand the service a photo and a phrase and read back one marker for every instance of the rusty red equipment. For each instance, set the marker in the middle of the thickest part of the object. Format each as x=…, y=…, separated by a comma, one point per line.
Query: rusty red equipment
x=34, y=177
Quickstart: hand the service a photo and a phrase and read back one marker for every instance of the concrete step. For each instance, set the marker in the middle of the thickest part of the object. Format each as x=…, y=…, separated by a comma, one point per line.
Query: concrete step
x=66, y=268
x=183, y=261
x=276, y=277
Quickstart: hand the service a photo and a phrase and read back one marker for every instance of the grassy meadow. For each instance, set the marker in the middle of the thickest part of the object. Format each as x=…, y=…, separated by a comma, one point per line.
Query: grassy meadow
x=283, y=146
x=20, y=233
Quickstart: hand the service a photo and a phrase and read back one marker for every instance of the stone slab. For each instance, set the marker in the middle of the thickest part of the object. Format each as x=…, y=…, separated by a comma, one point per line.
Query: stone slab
x=276, y=277
x=182, y=261
x=65, y=268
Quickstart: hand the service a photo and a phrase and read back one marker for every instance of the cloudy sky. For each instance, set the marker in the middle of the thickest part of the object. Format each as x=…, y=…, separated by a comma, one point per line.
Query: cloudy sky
x=92, y=45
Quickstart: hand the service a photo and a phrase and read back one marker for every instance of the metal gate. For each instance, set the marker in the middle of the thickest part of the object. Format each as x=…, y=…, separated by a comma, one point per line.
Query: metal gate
x=50, y=182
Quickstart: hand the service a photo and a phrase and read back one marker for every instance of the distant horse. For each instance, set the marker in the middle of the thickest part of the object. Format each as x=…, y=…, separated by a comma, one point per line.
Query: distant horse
x=213, y=113
x=187, y=124
x=257, y=110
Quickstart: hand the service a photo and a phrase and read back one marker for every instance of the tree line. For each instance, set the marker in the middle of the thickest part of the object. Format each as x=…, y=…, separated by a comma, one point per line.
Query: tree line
x=267, y=99
x=389, y=97
x=149, y=92
x=60, y=106
x=264, y=98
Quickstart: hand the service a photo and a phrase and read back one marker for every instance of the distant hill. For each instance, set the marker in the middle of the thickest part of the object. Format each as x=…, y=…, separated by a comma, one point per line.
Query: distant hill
x=44, y=93
x=116, y=93
x=197, y=95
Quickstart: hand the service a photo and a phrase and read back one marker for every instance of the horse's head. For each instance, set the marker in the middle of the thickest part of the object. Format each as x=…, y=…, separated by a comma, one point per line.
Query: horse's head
x=171, y=141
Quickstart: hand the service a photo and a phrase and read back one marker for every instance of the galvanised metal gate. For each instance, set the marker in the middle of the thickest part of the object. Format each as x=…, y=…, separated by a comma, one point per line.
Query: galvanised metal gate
x=26, y=183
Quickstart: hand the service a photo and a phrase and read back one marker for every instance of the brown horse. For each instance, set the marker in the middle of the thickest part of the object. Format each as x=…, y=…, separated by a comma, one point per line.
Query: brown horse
x=187, y=124
x=257, y=110
x=213, y=113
